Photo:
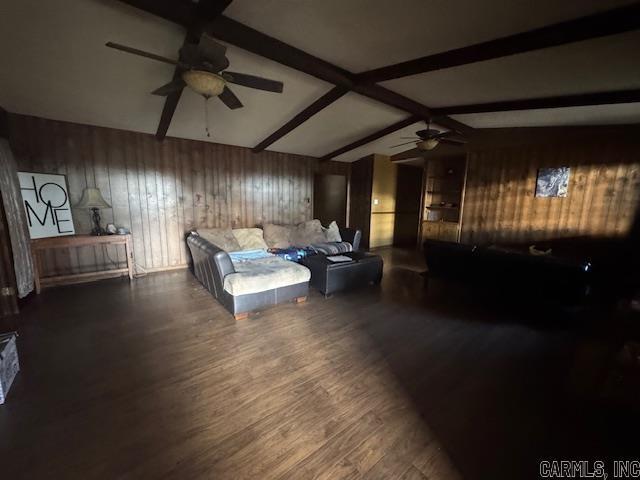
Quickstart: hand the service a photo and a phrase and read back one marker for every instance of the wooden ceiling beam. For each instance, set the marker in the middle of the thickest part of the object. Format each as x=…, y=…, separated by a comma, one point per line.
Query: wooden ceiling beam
x=579, y=100
x=242, y=36
x=182, y=12
x=602, y=24
x=258, y=43
x=373, y=136
x=235, y=33
x=327, y=99
x=401, y=102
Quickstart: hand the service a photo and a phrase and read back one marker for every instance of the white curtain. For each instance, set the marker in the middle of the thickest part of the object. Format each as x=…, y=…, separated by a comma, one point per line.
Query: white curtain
x=12, y=200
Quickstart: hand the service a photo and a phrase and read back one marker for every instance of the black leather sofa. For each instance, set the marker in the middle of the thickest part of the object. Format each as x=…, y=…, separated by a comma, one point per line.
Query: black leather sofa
x=211, y=265
x=512, y=271
x=353, y=236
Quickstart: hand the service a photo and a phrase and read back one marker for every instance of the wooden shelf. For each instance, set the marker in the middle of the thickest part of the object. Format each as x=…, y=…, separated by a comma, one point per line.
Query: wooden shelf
x=438, y=207
x=444, y=189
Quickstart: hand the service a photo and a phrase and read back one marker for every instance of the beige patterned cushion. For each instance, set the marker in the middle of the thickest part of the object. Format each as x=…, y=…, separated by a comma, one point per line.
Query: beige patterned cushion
x=221, y=237
x=309, y=232
x=264, y=274
x=332, y=232
x=278, y=236
x=250, y=238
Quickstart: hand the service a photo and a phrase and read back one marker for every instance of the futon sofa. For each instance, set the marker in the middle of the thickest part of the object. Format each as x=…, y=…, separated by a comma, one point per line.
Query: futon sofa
x=239, y=271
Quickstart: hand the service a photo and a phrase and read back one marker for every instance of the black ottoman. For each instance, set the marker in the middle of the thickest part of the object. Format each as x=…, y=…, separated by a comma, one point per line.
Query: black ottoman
x=330, y=277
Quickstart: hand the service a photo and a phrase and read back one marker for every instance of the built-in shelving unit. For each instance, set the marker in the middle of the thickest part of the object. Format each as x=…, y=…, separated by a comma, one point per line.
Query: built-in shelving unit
x=444, y=183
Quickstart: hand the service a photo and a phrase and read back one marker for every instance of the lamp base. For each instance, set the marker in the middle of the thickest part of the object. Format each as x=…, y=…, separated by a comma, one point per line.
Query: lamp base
x=97, y=229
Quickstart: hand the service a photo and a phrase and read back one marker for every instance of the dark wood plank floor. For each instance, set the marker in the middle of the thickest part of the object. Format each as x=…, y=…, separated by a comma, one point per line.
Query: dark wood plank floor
x=156, y=380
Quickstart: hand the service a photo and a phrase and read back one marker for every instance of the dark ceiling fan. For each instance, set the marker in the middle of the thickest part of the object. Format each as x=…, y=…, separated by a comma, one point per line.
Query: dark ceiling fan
x=429, y=138
x=202, y=68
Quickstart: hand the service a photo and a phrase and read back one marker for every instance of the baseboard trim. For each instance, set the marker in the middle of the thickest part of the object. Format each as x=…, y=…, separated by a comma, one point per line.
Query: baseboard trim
x=165, y=269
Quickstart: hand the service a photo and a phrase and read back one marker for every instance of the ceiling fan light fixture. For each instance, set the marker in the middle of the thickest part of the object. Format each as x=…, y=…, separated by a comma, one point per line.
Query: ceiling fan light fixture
x=428, y=144
x=205, y=83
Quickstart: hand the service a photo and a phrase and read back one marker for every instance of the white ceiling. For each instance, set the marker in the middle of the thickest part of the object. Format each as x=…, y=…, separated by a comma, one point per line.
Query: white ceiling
x=594, y=65
x=363, y=34
x=55, y=65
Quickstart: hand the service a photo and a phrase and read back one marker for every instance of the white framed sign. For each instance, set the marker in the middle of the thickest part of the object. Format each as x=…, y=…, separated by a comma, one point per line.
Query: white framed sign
x=46, y=203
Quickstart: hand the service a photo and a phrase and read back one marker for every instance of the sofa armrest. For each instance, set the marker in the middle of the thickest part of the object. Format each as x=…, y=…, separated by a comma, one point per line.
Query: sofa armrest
x=351, y=235
x=223, y=263
x=210, y=263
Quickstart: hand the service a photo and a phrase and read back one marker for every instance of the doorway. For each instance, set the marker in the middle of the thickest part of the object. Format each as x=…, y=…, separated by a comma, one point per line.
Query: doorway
x=408, y=204
x=330, y=199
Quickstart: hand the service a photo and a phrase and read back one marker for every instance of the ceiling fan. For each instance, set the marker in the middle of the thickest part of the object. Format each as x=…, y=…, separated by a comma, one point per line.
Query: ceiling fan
x=202, y=69
x=429, y=138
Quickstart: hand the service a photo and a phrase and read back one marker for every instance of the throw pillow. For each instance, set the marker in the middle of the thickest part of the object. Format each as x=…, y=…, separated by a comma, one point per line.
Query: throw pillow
x=278, y=236
x=250, y=238
x=332, y=232
x=308, y=233
x=221, y=237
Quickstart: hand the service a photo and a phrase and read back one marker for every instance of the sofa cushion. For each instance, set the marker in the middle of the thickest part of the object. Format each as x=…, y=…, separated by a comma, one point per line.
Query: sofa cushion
x=308, y=233
x=264, y=274
x=250, y=238
x=332, y=232
x=221, y=237
x=278, y=236
x=332, y=248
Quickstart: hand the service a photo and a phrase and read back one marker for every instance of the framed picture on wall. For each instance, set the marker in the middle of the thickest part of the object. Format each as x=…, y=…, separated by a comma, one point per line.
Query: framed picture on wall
x=46, y=203
x=552, y=182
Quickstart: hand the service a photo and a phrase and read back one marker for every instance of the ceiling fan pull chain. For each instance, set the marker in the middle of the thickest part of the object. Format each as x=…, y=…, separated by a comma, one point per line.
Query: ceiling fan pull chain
x=206, y=115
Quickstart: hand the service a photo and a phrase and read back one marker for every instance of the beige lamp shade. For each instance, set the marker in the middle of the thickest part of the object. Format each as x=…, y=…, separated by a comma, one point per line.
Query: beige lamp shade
x=92, y=198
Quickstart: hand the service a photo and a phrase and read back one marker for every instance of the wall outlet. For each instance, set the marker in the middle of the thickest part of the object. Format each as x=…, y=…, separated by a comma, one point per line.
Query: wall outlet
x=376, y=201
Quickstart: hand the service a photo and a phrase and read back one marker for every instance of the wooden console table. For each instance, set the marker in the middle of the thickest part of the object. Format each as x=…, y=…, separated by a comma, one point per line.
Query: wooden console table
x=74, y=241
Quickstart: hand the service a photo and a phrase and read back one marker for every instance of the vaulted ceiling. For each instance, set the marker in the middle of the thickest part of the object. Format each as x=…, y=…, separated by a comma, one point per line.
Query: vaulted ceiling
x=55, y=65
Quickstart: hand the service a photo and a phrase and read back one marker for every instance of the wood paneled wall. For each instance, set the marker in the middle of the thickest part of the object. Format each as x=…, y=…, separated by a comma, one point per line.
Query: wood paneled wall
x=604, y=188
x=160, y=190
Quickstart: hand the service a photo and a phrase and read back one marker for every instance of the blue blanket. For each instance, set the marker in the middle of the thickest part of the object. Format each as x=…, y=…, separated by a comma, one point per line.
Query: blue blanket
x=246, y=255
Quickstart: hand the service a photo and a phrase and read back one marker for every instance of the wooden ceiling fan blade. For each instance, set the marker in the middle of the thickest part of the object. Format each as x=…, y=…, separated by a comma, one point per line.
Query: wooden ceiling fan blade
x=212, y=52
x=229, y=99
x=405, y=143
x=169, y=88
x=142, y=53
x=413, y=153
x=252, y=81
x=453, y=136
x=453, y=141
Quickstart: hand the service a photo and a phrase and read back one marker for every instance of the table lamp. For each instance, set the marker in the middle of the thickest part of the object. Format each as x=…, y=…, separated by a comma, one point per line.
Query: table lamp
x=92, y=199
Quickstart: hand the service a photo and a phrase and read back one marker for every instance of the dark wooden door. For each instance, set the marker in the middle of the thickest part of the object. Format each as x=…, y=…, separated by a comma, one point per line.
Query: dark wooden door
x=408, y=201
x=330, y=198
